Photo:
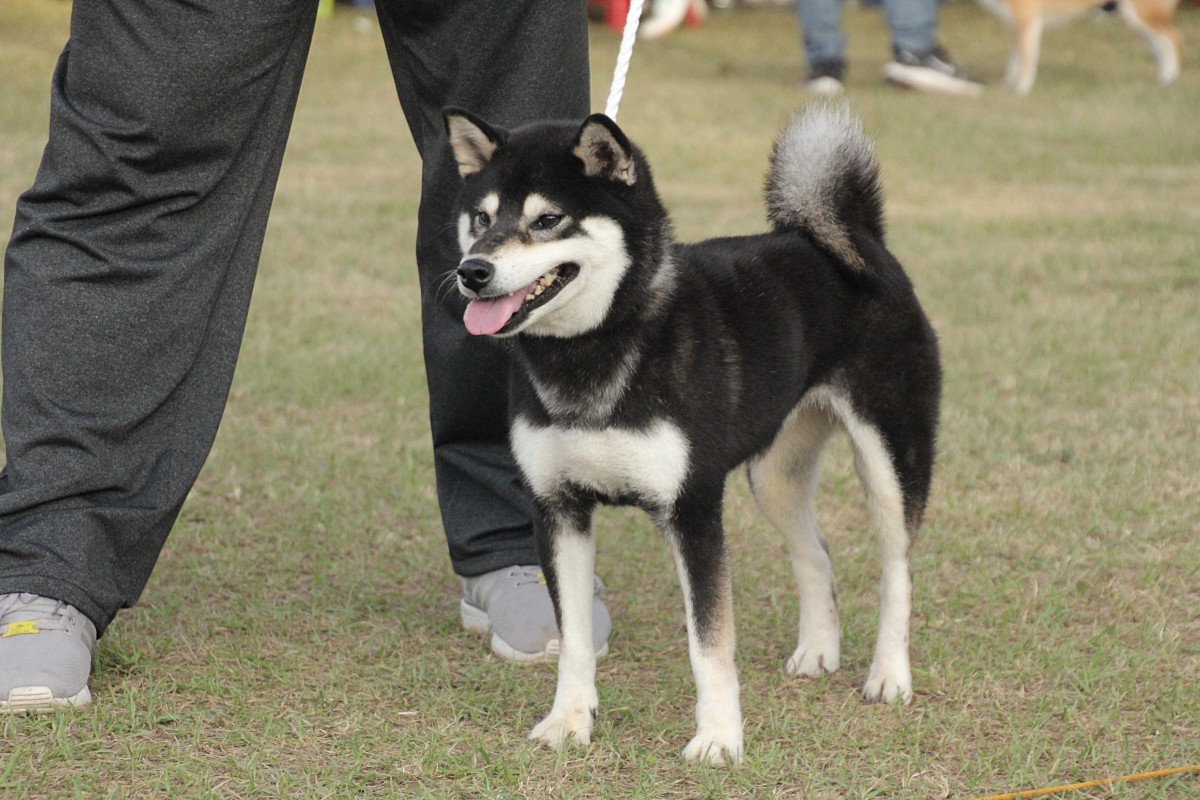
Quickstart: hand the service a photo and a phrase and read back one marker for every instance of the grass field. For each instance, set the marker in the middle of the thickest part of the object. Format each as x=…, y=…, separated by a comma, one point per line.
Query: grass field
x=300, y=635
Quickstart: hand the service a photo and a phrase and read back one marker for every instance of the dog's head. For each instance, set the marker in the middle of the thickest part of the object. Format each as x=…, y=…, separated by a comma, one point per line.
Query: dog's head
x=551, y=218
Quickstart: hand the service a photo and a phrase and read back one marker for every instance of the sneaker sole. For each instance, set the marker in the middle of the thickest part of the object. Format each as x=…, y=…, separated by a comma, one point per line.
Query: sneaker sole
x=929, y=80
x=825, y=87
x=506, y=651
x=41, y=700
x=475, y=620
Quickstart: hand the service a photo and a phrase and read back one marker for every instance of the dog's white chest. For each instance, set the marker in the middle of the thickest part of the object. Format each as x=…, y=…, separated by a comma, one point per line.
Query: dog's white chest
x=650, y=462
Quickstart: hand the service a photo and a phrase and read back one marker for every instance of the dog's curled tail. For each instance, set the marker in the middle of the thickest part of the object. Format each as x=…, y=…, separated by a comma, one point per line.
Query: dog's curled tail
x=824, y=181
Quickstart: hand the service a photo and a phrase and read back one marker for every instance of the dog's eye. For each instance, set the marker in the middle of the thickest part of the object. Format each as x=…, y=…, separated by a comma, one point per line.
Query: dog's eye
x=546, y=222
x=482, y=220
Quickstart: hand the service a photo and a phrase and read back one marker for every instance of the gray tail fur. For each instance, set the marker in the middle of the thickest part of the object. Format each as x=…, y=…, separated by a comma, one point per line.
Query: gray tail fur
x=824, y=181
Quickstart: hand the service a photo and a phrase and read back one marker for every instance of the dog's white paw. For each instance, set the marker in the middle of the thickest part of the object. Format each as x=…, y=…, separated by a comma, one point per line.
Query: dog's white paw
x=719, y=748
x=887, y=685
x=574, y=723
x=810, y=661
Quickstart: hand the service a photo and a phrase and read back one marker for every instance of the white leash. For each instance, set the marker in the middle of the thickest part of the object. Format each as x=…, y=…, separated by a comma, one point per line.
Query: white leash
x=624, y=55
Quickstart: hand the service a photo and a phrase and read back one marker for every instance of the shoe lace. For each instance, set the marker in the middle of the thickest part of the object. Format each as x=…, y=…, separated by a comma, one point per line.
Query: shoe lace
x=525, y=576
x=50, y=614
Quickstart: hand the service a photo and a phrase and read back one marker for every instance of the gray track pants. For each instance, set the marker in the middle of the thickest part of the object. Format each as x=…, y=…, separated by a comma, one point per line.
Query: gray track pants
x=130, y=268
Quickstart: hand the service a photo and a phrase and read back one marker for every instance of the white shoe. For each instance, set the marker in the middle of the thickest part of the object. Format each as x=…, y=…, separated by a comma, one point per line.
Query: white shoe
x=667, y=15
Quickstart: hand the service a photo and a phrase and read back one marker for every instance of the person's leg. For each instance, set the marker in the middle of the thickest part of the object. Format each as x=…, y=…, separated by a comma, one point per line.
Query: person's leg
x=919, y=61
x=821, y=29
x=913, y=24
x=128, y=278
x=512, y=63
x=824, y=45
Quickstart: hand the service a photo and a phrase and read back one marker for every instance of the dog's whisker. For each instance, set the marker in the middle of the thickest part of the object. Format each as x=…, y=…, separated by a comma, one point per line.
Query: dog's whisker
x=445, y=285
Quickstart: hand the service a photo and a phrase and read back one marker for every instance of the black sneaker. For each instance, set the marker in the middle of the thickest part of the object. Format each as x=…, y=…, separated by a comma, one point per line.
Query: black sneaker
x=825, y=78
x=931, y=72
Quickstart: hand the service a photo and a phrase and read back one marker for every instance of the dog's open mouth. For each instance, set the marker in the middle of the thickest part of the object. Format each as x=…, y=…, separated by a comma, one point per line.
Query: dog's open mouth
x=489, y=315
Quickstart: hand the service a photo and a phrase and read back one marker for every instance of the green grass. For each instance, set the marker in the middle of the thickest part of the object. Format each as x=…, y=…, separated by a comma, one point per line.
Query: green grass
x=300, y=638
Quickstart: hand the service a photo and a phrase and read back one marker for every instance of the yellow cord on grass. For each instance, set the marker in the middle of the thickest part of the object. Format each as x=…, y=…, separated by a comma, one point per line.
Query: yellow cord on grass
x=1161, y=773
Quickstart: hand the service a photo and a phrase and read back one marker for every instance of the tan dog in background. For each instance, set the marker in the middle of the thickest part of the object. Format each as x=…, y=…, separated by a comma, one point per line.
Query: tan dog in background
x=1150, y=18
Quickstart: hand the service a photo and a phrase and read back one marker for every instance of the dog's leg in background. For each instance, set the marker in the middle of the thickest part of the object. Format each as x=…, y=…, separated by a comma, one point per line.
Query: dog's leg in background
x=1022, y=69
x=1152, y=19
x=698, y=542
x=784, y=482
x=568, y=555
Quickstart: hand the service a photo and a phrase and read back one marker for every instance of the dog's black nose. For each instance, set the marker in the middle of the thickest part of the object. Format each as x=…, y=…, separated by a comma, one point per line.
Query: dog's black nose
x=475, y=273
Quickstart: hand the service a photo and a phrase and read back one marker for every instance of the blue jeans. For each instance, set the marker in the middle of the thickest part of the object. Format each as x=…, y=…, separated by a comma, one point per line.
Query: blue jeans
x=913, y=24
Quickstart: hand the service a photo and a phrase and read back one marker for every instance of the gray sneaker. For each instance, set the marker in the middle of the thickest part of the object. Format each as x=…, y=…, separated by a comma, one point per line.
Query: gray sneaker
x=513, y=604
x=45, y=654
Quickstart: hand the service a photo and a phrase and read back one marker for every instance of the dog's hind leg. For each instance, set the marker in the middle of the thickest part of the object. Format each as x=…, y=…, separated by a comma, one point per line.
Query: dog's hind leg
x=1152, y=19
x=568, y=558
x=890, y=677
x=784, y=482
x=698, y=543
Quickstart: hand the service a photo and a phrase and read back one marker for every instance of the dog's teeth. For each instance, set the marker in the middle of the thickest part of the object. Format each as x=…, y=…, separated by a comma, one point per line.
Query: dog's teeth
x=529, y=296
x=539, y=290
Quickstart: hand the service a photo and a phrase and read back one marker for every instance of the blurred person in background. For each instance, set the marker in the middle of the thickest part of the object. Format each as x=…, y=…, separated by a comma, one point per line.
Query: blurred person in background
x=918, y=62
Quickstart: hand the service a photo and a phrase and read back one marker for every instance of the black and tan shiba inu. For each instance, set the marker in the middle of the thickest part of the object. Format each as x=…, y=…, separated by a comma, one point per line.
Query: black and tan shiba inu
x=645, y=370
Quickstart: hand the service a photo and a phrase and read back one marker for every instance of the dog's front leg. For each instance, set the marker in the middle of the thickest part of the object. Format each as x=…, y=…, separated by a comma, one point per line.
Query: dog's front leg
x=568, y=555
x=1022, y=69
x=699, y=548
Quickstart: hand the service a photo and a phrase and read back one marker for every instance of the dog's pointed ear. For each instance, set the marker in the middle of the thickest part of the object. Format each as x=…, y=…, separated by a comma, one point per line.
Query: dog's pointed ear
x=605, y=151
x=472, y=140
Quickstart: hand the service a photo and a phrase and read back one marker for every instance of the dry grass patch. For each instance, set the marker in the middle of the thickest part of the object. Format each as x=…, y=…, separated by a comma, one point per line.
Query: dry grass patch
x=300, y=636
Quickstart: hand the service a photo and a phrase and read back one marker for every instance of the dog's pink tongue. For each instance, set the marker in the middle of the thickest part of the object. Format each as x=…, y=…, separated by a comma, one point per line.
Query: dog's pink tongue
x=485, y=317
